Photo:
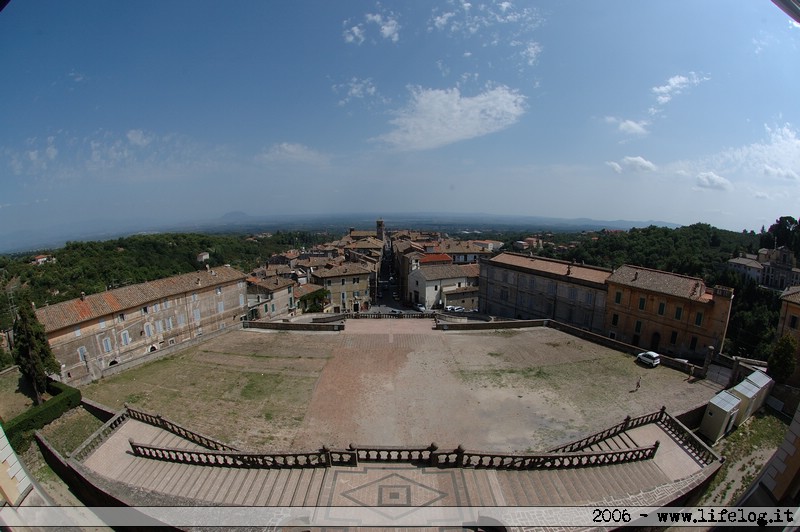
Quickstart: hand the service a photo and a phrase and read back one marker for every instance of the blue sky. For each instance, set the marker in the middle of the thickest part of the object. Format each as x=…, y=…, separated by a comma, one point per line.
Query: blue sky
x=159, y=112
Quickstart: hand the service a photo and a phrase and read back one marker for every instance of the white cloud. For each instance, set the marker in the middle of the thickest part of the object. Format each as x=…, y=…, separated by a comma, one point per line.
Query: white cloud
x=676, y=85
x=712, y=181
x=75, y=76
x=776, y=157
x=389, y=27
x=137, y=137
x=614, y=166
x=354, y=34
x=786, y=173
x=436, y=117
x=356, y=89
x=629, y=127
x=636, y=164
x=287, y=152
x=632, y=127
x=530, y=53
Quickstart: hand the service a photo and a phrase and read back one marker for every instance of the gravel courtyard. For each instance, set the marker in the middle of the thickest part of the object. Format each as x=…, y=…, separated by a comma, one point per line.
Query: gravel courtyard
x=399, y=382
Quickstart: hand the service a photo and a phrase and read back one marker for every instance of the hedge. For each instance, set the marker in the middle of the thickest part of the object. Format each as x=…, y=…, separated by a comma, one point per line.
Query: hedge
x=20, y=429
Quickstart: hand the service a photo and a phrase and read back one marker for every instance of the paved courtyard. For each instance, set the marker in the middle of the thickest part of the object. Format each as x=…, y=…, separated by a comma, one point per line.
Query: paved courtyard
x=398, y=381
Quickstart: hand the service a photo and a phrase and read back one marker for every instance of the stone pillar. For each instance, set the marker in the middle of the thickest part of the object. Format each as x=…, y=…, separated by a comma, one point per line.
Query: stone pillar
x=706, y=362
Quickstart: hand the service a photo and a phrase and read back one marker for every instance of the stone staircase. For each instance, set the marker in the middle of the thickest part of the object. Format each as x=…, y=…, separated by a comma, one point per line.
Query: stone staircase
x=366, y=482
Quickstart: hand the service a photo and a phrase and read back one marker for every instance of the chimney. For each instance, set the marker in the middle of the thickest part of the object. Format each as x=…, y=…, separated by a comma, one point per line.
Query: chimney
x=83, y=296
x=198, y=281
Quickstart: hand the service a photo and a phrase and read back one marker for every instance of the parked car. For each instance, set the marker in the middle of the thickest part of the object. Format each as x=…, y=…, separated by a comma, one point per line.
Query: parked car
x=458, y=309
x=649, y=358
x=420, y=307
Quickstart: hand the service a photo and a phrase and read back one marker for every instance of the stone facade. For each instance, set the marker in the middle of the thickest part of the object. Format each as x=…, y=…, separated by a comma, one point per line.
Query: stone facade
x=348, y=285
x=520, y=286
x=673, y=314
x=93, y=332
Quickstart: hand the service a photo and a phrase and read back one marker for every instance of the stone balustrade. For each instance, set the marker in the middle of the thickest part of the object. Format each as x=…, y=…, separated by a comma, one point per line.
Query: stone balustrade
x=99, y=436
x=230, y=458
x=157, y=421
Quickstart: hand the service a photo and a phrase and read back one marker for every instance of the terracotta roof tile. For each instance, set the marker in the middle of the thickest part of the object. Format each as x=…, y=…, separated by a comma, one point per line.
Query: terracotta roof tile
x=553, y=266
x=75, y=311
x=658, y=281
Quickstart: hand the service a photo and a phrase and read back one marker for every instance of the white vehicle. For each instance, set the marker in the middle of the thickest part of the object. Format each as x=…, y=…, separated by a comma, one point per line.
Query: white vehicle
x=649, y=358
x=420, y=307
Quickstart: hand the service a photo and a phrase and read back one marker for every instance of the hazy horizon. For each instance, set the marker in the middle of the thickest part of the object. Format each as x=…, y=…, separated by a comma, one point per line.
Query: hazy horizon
x=152, y=114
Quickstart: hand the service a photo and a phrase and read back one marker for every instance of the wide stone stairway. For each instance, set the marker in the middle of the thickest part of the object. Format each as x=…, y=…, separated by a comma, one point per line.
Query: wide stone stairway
x=604, y=468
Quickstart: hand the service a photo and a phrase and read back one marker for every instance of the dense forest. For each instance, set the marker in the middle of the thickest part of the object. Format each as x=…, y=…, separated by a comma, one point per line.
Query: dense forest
x=698, y=250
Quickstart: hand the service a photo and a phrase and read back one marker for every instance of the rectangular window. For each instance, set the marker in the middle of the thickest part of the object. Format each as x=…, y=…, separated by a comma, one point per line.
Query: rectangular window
x=197, y=315
x=181, y=320
x=662, y=307
x=219, y=290
x=532, y=283
x=698, y=319
x=160, y=326
x=328, y=282
x=273, y=307
x=615, y=320
x=144, y=311
x=125, y=338
x=106, y=345
x=642, y=303
x=148, y=330
x=573, y=294
x=77, y=331
x=156, y=307
x=220, y=307
x=355, y=294
x=166, y=303
x=102, y=323
x=673, y=338
x=618, y=298
x=343, y=281
x=793, y=322
x=169, y=323
x=436, y=287
x=551, y=288
x=355, y=280
x=82, y=353
x=589, y=298
x=194, y=296
x=638, y=327
x=678, y=313
x=693, y=343
x=241, y=300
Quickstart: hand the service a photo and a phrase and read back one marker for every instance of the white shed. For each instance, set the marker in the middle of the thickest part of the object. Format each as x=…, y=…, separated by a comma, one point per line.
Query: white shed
x=720, y=416
x=764, y=384
x=747, y=392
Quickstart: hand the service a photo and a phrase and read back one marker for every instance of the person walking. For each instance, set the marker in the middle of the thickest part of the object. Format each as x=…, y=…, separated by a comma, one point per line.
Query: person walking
x=639, y=382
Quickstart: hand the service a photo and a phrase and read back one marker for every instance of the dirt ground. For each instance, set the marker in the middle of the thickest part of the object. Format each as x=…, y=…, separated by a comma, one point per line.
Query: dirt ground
x=399, y=382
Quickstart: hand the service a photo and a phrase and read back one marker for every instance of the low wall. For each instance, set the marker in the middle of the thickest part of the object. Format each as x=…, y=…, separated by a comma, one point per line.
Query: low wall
x=101, y=412
x=9, y=370
x=293, y=326
x=150, y=356
x=482, y=326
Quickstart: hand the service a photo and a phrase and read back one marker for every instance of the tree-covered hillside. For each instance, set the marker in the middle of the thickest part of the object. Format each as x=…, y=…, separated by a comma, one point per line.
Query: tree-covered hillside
x=92, y=267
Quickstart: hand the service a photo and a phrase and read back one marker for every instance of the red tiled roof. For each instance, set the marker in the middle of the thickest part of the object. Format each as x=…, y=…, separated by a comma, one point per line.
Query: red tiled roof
x=75, y=311
x=435, y=257
x=553, y=266
x=659, y=281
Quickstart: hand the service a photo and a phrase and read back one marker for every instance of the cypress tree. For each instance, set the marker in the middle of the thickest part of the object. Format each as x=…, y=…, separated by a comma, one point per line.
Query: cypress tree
x=32, y=351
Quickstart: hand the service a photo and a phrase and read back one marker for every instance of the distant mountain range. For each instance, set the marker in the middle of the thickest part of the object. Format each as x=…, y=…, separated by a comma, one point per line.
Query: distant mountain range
x=20, y=241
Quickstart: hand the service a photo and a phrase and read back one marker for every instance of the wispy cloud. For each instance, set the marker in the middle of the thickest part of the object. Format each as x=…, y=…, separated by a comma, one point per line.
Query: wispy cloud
x=137, y=137
x=436, y=117
x=356, y=89
x=710, y=180
x=387, y=23
x=287, y=152
x=675, y=86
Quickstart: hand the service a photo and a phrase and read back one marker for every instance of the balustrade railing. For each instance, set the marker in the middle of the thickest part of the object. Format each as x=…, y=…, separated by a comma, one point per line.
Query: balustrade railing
x=687, y=439
x=163, y=423
x=231, y=458
x=627, y=423
x=565, y=456
x=99, y=436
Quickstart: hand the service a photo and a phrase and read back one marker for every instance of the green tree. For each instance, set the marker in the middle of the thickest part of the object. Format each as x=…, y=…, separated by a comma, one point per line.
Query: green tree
x=31, y=351
x=782, y=361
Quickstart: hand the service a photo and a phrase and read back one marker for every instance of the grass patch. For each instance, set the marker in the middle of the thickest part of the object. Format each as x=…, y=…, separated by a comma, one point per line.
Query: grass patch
x=763, y=431
x=69, y=431
x=260, y=385
x=494, y=354
x=502, y=377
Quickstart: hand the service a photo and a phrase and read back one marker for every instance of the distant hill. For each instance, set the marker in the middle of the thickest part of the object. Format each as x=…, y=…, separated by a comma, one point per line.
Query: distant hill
x=18, y=241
